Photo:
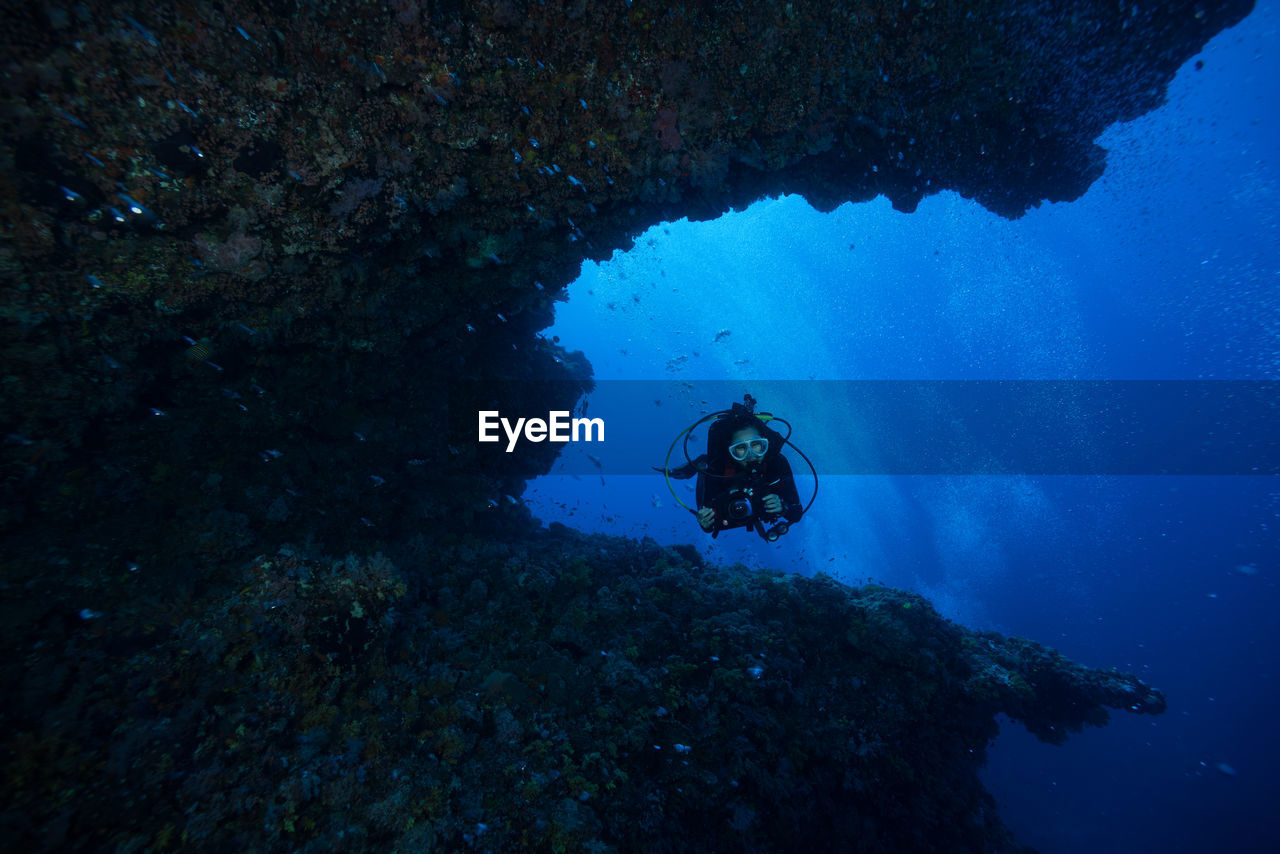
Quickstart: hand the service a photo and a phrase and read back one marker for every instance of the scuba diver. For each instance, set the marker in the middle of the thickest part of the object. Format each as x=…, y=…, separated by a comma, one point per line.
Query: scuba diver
x=743, y=479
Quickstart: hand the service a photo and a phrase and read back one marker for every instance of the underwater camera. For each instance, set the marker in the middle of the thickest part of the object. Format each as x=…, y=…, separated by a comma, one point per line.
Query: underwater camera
x=739, y=506
x=736, y=506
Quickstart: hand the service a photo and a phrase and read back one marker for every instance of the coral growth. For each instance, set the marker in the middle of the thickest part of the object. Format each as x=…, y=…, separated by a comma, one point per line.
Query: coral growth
x=664, y=126
x=549, y=692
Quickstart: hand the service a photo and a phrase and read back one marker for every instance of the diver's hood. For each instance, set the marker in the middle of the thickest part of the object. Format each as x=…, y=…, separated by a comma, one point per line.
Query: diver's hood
x=718, y=441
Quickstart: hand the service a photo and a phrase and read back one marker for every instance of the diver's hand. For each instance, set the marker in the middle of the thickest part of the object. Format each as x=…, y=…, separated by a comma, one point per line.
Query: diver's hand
x=706, y=518
x=772, y=504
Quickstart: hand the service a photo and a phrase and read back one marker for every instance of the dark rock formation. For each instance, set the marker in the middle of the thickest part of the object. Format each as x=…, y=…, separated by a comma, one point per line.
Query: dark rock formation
x=560, y=692
x=246, y=243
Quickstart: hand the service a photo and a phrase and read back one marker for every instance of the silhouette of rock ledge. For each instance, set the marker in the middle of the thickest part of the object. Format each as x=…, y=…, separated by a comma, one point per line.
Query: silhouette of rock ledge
x=551, y=692
x=345, y=203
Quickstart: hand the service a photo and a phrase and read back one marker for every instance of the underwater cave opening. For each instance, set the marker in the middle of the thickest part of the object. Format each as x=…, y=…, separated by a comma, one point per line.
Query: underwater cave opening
x=1153, y=274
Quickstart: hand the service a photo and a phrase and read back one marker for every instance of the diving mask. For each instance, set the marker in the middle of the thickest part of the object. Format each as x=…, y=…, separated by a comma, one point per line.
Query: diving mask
x=755, y=447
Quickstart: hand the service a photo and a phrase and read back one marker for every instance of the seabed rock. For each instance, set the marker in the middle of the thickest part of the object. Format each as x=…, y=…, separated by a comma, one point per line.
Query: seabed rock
x=551, y=692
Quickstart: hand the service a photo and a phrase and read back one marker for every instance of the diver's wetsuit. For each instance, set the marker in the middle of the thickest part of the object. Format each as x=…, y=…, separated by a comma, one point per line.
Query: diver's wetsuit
x=776, y=472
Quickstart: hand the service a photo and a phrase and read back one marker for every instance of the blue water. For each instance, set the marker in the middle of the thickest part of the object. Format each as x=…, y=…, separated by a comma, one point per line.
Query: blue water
x=1168, y=268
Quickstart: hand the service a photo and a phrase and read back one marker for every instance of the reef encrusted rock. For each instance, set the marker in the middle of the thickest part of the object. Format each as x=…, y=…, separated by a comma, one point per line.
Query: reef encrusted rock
x=553, y=692
x=346, y=201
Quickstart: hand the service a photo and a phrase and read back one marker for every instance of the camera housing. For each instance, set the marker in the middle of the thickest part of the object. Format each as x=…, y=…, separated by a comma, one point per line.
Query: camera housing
x=737, y=506
x=740, y=506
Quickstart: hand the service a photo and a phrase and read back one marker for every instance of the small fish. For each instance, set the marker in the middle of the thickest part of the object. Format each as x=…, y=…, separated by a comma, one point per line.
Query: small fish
x=241, y=31
x=93, y=280
x=159, y=413
x=89, y=614
x=135, y=207
x=511, y=499
x=377, y=481
x=70, y=118
x=417, y=462
x=360, y=437
x=70, y=195
x=453, y=450
x=364, y=520
x=721, y=335
x=493, y=505
x=199, y=350
x=145, y=32
x=272, y=454
x=596, y=460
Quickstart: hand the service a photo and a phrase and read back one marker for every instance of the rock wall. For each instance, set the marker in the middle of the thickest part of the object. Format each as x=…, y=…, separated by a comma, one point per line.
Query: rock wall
x=240, y=227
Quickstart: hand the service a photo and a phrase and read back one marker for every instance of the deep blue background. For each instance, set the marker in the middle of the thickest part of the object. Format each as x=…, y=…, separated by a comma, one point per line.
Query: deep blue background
x=1168, y=268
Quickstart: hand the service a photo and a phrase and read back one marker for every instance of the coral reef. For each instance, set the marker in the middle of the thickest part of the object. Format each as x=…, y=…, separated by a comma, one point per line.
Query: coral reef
x=260, y=260
x=549, y=692
x=306, y=184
